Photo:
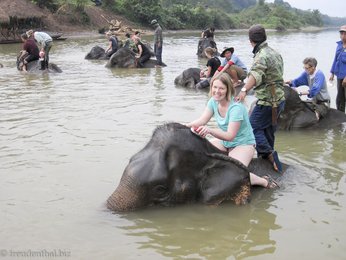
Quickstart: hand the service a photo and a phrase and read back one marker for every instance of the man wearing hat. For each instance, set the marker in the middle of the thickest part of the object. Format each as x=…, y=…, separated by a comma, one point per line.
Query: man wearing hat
x=339, y=69
x=158, y=40
x=266, y=77
x=232, y=65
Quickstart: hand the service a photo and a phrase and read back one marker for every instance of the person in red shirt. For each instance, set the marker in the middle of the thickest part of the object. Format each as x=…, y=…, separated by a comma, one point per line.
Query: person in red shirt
x=30, y=51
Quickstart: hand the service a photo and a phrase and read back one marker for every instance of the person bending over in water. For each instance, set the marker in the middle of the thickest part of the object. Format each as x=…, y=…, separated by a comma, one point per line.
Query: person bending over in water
x=30, y=51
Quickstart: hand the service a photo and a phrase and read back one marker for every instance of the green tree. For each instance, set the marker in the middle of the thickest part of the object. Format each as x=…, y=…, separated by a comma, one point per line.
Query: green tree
x=52, y=5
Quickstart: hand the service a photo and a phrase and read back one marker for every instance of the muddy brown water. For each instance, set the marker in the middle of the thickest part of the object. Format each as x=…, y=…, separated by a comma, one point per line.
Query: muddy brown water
x=65, y=140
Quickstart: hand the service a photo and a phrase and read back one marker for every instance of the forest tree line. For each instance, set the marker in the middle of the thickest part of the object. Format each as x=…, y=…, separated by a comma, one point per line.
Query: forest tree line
x=199, y=14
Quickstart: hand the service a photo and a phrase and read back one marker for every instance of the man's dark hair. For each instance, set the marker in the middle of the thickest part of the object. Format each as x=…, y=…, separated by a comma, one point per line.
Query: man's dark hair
x=24, y=36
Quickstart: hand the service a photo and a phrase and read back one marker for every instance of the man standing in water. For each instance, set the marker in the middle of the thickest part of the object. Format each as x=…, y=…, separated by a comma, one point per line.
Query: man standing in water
x=266, y=77
x=158, y=40
x=339, y=70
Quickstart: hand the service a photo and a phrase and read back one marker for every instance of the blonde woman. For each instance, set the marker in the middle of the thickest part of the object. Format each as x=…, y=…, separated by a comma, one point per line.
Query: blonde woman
x=234, y=134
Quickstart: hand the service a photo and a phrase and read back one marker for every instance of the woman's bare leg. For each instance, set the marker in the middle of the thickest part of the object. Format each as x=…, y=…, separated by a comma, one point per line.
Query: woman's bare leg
x=244, y=154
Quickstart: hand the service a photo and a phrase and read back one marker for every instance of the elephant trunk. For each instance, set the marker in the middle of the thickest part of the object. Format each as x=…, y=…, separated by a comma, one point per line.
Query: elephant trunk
x=125, y=198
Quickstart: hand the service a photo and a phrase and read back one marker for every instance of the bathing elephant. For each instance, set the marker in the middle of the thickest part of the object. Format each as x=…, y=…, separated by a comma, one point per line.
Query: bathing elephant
x=177, y=167
x=204, y=43
x=125, y=58
x=34, y=66
x=297, y=114
x=188, y=78
x=1, y=66
x=96, y=53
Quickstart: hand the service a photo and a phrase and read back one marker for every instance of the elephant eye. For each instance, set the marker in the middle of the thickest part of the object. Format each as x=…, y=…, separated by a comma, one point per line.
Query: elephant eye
x=159, y=189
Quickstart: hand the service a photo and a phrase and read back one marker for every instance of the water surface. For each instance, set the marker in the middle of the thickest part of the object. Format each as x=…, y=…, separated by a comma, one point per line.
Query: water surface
x=65, y=140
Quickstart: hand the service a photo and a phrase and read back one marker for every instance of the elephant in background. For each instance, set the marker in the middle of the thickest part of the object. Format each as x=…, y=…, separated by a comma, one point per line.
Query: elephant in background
x=203, y=43
x=297, y=114
x=96, y=53
x=188, y=78
x=125, y=58
x=177, y=166
x=1, y=66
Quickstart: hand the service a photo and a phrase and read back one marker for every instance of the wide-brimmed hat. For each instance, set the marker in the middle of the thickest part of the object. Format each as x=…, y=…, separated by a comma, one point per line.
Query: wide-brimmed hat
x=153, y=22
x=342, y=28
x=231, y=49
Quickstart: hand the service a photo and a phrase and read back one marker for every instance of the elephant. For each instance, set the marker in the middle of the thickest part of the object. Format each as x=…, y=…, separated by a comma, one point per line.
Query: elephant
x=204, y=43
x=1, y=66
x=96, y=53
x=297, y=114
x=177, y=166
x=125, y=58
x=188, y=78
x=35, y=66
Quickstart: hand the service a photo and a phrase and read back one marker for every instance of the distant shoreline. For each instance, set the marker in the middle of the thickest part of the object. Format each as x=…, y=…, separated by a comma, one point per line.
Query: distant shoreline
x=96, y=34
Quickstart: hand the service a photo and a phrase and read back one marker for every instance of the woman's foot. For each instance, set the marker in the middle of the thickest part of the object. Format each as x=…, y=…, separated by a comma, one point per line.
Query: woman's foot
x=271, y=183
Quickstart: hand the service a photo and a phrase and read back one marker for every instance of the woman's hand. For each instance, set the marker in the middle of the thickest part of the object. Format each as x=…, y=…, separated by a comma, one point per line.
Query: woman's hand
x=344, y=82
x=202, y=130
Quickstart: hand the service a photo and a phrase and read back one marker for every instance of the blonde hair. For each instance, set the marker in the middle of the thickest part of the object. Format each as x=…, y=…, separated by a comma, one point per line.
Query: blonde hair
x=211, y=51
x=227, y=81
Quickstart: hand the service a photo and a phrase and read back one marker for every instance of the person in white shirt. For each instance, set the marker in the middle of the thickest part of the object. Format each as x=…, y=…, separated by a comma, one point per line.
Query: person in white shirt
x=45, y=42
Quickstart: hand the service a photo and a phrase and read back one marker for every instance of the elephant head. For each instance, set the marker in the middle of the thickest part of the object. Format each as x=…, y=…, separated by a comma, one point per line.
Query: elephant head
x=123, y=58
x=96, y=53
x=176, y=167
x=188, y=78
x=203, y=44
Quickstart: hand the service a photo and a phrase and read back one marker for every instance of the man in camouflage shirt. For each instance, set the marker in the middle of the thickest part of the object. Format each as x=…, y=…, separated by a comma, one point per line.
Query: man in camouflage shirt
x=266, y=77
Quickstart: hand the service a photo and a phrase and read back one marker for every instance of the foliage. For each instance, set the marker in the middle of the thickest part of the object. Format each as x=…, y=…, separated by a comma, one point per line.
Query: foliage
x=199, y=14
x=52, y=5
x=279, y=15
x=78, y=4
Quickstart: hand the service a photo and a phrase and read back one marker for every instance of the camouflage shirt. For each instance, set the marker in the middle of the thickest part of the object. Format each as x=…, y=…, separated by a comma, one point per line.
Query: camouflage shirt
x=267, y=69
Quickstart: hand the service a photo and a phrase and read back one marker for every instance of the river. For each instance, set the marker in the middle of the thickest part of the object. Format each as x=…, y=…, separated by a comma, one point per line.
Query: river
x=66, y=138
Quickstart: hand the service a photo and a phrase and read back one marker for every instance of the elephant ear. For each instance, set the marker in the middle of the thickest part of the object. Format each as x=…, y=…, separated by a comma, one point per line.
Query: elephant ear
x=225, y=179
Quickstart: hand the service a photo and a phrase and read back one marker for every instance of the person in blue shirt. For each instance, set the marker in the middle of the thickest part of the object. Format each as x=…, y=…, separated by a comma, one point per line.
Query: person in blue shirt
x=233, y=66
x=316, y=81
x=339, y=69
x=234, y=134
